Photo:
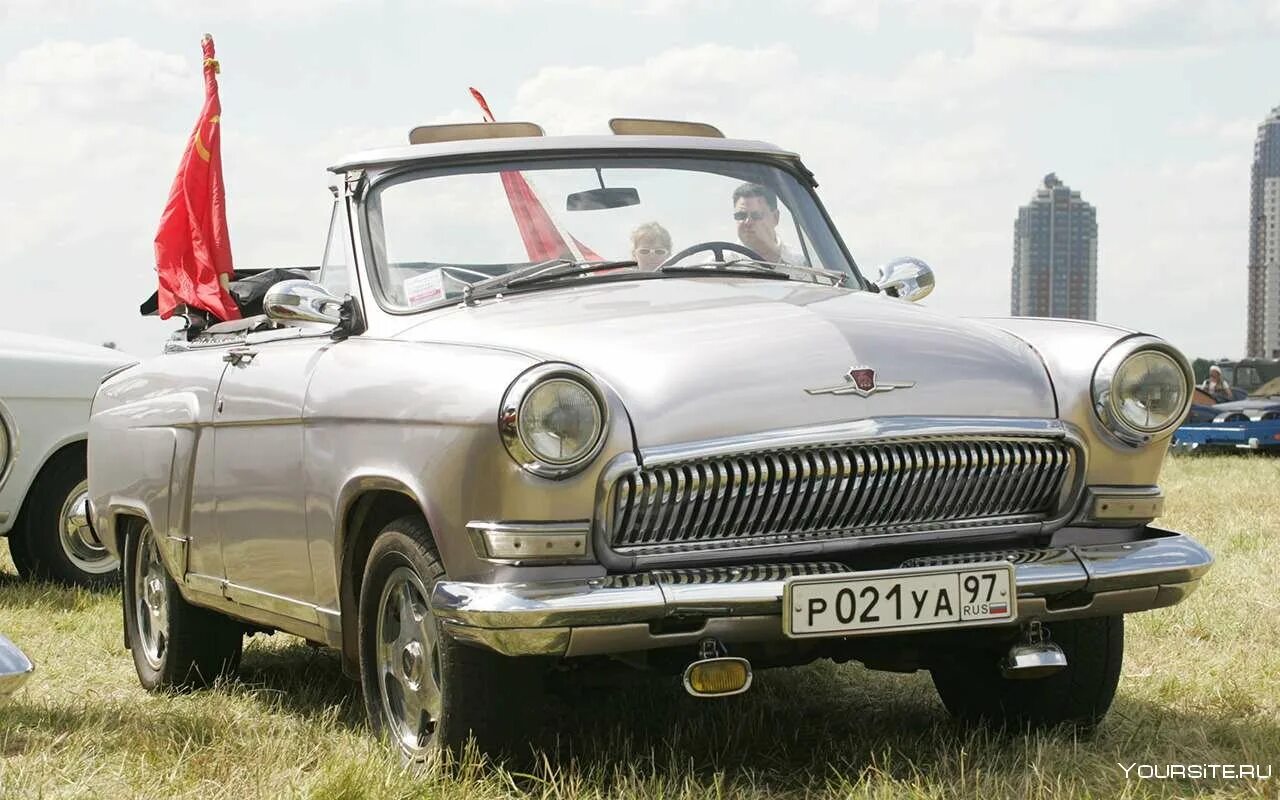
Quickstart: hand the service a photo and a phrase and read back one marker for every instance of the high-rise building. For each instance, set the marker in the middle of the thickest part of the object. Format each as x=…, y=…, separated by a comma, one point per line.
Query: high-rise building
x=1264, y=242
x=1055, y=255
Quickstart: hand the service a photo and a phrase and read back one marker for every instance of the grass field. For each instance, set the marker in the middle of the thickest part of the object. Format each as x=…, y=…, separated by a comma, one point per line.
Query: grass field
x=1201, y=685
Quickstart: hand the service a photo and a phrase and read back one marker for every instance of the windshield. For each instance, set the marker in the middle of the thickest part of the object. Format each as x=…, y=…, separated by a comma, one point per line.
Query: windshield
x=431, y=234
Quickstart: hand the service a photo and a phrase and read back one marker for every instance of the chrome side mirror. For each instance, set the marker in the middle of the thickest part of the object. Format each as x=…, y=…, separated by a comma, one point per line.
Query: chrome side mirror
x=907, y=278
x=301, y=301
x=15, y=668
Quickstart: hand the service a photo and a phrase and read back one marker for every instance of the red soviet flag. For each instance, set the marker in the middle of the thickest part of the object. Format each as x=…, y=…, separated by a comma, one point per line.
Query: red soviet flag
x=193, y=250
x=543, y=237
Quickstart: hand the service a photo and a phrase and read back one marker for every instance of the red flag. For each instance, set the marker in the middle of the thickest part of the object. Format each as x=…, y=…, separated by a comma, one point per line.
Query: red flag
x=193, y=250
x=543, y=237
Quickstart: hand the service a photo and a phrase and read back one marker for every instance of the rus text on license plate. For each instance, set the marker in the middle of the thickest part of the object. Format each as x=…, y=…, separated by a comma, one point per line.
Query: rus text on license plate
x=897, y=600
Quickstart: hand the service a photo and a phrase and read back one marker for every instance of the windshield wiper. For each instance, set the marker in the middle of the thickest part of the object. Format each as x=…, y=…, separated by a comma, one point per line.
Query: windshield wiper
x=836, y=278
x=536, y=273
x=746, y=268
x=575, y=268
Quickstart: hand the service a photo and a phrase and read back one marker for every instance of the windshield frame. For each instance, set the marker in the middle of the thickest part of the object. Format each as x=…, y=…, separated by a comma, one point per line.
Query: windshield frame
x=586, y=159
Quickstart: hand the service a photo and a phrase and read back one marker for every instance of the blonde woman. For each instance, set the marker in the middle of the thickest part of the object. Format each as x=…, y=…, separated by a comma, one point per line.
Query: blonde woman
x=650, y=245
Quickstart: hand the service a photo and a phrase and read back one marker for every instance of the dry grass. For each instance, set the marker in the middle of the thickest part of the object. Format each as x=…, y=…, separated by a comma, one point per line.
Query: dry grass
x=1201, y=685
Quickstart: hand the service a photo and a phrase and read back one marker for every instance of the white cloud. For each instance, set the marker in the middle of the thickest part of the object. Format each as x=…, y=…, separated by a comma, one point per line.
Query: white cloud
x=863, y=15
x=657, y=8
x=1137, y=24
x=1237, y=130
x=90, y=79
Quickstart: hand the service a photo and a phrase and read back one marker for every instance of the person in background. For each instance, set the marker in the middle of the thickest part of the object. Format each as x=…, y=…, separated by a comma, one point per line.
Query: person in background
x=650, y=245
x=755, y=210
x=1216, y=385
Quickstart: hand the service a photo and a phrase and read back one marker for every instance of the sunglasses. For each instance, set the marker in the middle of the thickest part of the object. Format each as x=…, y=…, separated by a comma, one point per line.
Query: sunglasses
x=755, y=216
x=651, y=251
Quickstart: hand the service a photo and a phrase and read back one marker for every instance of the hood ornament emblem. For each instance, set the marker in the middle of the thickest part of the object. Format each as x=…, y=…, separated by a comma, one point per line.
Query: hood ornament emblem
x=861, y=380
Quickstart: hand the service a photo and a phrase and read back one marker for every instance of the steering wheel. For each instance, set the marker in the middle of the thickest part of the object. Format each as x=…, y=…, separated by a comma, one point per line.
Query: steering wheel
x=718, y=249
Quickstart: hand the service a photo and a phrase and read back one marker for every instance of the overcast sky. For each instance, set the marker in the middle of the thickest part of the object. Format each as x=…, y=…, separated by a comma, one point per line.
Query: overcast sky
x=927, y=124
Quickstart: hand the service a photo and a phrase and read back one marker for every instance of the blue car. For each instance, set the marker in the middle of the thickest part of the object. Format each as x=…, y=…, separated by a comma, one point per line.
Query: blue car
x=1250, y=423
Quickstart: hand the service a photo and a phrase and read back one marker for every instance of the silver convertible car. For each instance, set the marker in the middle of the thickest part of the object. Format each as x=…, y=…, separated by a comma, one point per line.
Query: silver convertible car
x=557, y=401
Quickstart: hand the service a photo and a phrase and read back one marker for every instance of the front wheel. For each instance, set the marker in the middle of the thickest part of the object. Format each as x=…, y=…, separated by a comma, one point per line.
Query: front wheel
x=175, y=645
x=423, y=690
x=973, y=690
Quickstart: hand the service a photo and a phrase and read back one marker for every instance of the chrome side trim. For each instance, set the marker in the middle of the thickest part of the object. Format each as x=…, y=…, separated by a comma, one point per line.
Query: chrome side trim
x=277, y=604
x=260, y=608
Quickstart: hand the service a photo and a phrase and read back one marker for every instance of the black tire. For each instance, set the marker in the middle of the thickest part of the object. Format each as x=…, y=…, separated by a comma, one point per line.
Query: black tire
x=19, y=555
x=39, y=541
x=198, y=646
x=974, y=691
x=482, y=695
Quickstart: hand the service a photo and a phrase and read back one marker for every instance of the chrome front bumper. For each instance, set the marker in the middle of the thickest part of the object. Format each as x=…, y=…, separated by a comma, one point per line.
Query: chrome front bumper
x=1139, y=570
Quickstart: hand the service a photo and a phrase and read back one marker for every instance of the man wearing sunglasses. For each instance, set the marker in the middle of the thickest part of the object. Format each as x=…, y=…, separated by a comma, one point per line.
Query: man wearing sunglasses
x=755, y=209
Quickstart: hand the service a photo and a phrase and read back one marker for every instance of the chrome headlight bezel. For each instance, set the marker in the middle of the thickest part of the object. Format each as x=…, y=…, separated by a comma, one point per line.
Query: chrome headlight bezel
x=509, y=420
x=1104, y=399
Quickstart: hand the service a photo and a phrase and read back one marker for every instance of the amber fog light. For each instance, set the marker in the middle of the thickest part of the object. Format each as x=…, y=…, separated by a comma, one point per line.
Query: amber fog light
x=717, y=677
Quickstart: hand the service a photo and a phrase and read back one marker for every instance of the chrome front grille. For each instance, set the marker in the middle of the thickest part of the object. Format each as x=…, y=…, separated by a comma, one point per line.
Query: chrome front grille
x=823, y=492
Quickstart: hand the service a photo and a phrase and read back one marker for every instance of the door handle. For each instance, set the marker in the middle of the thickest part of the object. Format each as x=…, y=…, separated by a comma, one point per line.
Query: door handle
x=240, y=355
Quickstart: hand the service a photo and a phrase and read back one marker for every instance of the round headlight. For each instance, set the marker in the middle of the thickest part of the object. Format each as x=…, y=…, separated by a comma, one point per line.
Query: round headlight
x=553, y=420
x=1141, y=388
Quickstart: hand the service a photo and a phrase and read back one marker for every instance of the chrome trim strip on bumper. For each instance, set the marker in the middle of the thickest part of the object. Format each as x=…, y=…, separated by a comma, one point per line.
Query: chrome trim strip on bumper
x=1157, y=568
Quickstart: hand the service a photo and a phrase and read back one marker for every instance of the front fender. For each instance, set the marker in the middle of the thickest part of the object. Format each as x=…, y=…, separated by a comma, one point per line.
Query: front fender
x=1071, y=350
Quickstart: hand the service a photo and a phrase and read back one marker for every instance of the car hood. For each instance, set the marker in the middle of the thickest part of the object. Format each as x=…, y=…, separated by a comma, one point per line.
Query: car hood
x=696, y=359
x=1250, y=404
x=30, y=346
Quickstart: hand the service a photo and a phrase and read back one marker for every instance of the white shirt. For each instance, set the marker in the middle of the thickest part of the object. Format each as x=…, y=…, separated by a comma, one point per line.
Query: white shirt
x=785, y=255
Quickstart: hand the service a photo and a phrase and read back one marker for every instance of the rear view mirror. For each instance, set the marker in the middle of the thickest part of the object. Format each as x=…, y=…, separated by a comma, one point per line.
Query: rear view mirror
x=596, y=199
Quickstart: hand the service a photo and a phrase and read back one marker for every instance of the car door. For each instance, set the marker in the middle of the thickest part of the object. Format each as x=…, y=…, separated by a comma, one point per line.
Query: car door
x=258, y=465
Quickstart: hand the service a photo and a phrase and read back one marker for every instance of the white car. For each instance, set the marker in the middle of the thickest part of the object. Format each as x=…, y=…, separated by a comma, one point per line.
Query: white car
x=46, y=386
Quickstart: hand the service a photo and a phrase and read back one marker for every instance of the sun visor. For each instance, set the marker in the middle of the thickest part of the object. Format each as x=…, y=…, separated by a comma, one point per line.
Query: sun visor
x=625, y=126
x=431, y=134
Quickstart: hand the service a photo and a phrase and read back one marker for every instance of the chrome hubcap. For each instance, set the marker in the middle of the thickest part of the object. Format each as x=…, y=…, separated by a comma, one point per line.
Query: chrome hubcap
x=151, y=600
x=408, y=661
x=78, y=542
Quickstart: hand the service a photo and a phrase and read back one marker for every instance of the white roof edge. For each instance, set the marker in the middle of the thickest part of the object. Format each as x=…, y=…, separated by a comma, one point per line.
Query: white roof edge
x=401, y=154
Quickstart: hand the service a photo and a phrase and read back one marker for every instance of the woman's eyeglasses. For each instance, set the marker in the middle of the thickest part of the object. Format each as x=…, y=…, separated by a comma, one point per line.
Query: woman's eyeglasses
x=756, y=216
x=651, y=251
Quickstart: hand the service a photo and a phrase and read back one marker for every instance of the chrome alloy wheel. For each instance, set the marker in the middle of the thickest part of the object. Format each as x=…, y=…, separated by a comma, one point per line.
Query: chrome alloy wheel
x=151, y=599
x=408, y=662
x=79, y=543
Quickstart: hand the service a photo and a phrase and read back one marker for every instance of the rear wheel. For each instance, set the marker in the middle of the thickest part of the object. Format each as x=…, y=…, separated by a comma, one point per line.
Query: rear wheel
x=54, y=541
x=973, y=690
x=423, y=690
x=175, y=645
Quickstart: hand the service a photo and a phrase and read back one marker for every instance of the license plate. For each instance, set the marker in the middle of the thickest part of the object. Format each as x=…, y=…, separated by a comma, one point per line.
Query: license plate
x=899, y=600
